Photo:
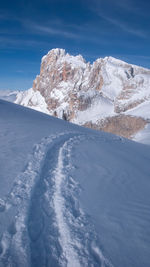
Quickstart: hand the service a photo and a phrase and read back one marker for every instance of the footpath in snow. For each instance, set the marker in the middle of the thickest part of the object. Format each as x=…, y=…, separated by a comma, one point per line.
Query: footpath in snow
x=50, y=228
x=78, y=197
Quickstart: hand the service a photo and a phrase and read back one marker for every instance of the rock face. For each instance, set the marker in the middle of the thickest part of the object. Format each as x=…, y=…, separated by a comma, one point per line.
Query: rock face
x=109, y=94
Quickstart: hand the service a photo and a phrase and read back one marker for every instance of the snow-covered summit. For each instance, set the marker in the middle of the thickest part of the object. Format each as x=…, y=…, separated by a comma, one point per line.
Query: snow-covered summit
x=60, y=55
x=98, y=95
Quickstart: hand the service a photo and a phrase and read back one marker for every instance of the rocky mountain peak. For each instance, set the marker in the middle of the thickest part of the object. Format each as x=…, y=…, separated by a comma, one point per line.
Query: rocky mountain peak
x=98, y=95
x=60, y=55
x=56, y=52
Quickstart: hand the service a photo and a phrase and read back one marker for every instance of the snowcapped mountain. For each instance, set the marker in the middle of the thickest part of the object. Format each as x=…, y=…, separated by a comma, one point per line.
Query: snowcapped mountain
x=109, y=94
x=70, y=196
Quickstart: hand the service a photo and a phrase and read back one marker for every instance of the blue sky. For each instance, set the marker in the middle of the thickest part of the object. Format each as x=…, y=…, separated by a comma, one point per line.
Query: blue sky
x=93, y=28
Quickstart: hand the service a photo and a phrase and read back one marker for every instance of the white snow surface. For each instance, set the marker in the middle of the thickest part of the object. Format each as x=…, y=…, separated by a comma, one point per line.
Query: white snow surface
x=8, y=95
x=70, y=196
x=75, y=61
x=143, y=136
x=142, y=110
x=33, y=100
x=100, y=109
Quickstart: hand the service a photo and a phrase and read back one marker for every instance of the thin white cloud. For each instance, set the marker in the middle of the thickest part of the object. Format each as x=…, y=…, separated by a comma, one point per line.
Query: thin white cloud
x=130, y=6
x=19, y=43
x=102, y=9
x=57, y=27
x=52, y=31
x=123, y=26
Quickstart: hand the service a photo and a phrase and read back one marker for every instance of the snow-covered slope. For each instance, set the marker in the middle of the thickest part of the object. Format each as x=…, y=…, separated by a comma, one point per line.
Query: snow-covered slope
x=70, y=196
x=32, y=99
x=8, y=95
x=99, y=95
x=143, y=136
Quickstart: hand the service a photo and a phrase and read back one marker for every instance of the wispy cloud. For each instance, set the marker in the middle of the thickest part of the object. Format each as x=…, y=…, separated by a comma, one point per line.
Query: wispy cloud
x=123, y=26
x=52, y=27
x=118, y=23
x=111, y=11
x=130, y=6
x=42, y=29
x=20, y=44
x=57, y=27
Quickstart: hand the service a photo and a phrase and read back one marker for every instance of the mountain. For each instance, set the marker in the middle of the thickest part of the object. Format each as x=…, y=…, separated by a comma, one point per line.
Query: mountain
x=108, y=95
x=8, y=95
x=70, y=196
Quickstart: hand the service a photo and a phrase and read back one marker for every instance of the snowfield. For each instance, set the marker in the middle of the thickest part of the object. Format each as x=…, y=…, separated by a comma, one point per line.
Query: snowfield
x=70, y=196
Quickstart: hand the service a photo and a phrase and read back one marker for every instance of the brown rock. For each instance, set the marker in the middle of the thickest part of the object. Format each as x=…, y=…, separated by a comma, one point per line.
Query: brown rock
x=122, y=125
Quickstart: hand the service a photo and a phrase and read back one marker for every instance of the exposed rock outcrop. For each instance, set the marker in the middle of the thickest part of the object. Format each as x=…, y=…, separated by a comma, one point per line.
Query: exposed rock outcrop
x=123, y=125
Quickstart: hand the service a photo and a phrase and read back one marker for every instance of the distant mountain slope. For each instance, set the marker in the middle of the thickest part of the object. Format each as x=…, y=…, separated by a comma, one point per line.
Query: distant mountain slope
x=70, y=196
x=109, y=94
x=8, y=95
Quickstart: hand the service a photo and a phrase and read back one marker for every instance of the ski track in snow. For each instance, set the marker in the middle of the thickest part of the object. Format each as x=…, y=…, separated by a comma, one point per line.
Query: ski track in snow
x=59, y=204
x=50, y=228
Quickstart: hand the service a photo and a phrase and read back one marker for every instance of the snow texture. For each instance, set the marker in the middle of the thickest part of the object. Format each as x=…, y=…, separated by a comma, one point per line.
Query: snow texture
x=33, y=100
x=70, y=196
x=8, y=95
x=143, y=136
x=142, y=110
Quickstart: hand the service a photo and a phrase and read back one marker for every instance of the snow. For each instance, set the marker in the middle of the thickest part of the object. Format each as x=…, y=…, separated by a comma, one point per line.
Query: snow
x=88, y=93
x=112, y=82
x=142, y=110
x=115, y=77
x=75, y=61
x=32, y=99
x=70, y=196
x=61, y=92
x=8, y=95
x=100, y=109
x=143, y=136
x=65, y=238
